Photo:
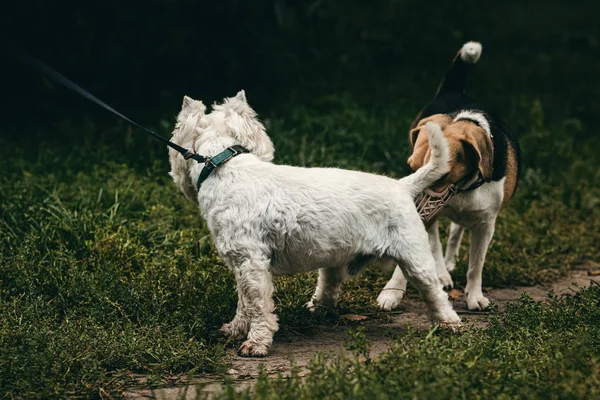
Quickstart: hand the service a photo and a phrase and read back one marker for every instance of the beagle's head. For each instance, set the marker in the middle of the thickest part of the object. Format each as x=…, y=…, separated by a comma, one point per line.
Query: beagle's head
x=470, y=147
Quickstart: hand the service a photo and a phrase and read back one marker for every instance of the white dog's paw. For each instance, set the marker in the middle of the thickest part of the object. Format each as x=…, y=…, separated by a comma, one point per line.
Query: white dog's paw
x=448, y=319
x=312, y=307
x=236, y=329
x=251, y=348
x=445, y=279
x=477, y=301
x=453, y=327
x=390, y=299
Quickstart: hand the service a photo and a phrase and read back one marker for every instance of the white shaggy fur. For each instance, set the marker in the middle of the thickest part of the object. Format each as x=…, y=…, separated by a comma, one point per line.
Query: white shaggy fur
x=470, y=52
x=269, y=219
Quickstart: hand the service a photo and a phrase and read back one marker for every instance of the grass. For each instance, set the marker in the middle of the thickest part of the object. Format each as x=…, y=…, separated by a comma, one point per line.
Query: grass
x=106, y=270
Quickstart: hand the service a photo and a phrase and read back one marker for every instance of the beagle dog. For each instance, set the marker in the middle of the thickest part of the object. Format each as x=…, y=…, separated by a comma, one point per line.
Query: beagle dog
x=484, y=168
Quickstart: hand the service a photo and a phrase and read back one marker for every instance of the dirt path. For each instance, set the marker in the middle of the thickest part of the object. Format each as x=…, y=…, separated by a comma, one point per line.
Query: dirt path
x=302, y=349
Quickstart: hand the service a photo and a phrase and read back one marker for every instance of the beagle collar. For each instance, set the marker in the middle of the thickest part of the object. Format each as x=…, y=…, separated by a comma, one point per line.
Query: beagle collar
x=429, y=203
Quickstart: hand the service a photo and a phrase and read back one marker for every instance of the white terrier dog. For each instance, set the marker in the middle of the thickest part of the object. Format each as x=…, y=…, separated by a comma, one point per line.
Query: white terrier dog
x=268, y=219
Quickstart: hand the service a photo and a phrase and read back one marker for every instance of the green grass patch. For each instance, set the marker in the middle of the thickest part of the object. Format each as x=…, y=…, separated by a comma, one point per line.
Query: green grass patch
x=107, y=269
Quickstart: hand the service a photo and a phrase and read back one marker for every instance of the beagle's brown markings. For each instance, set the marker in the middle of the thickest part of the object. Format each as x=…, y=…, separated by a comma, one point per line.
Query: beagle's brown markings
x=470, y=149
x=512, y=174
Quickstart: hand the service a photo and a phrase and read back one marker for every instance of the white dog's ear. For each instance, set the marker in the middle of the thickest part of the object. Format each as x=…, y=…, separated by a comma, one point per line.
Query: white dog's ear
x=250, y=133
x=187, y=102
x=190, y=107
x=241, y=96
x=191, y=104
x=190, y=117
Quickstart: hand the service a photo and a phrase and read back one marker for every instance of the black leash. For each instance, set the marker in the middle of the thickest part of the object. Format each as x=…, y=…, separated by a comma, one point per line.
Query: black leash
x=69, y=84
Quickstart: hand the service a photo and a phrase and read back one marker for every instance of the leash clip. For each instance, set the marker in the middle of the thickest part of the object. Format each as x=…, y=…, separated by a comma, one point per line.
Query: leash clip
x=188, y=154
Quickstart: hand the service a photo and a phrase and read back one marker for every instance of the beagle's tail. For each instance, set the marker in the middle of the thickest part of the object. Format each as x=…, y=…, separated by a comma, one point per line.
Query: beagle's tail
x=456, y=77
x=437, y=166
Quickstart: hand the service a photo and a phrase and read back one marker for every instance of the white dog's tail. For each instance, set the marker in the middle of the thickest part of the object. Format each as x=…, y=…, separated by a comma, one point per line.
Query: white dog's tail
x=437, y=165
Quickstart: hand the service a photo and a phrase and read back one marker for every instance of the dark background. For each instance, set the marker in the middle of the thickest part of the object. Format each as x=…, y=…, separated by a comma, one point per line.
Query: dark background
x=142, y=57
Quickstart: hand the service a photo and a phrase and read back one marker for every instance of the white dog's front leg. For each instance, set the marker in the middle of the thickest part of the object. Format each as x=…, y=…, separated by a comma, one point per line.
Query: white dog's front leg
x=394, y=290
x=480, y=240
x=328, y=287
x=240, y=325
x=456, y=234
x=255, y=288
x=438, y=255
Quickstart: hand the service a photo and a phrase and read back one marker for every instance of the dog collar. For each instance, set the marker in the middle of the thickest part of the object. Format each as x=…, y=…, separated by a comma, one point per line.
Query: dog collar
x=430, y=203
x=215, y=161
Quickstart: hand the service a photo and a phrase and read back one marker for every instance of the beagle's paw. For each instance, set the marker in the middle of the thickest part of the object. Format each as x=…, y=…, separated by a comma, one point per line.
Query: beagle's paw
x=389, y=299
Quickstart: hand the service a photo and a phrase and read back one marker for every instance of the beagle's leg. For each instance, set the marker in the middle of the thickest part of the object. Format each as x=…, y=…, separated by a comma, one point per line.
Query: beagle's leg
x=438, y=255
x=480, y=240
x=453, y=246
x=394, y=290
x=328, y=287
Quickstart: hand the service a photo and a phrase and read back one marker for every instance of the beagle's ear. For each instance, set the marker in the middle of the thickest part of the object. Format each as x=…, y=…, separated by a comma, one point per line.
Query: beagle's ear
x=412, y=136
x=480, y=142
x=442, y=120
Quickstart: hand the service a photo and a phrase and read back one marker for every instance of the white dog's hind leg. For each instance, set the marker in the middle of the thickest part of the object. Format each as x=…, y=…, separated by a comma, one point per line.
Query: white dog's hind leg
x=480, y=240
x=394, y=290
x=453, y=246
x=328, y=287
x=418, y=265
x=438, y=255
x=255, y=286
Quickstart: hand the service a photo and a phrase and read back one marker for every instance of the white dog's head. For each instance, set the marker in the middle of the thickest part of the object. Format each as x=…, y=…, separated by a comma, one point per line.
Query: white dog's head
x=232, y=122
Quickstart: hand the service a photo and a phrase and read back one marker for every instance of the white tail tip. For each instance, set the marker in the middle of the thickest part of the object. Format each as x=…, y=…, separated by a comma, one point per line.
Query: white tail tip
x=470, y=52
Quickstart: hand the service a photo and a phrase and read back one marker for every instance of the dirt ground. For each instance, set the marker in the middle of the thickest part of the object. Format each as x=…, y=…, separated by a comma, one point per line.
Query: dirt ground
x=301, y=349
